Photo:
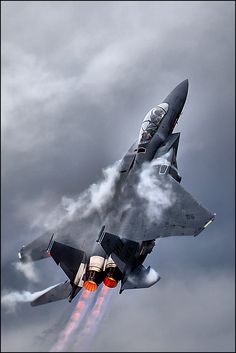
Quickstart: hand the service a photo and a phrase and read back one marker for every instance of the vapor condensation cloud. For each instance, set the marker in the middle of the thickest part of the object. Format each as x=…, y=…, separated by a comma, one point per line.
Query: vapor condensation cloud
x=10, y=299
x=89, y=201
x=77, y=81
x=158, y=196
x=29, y=270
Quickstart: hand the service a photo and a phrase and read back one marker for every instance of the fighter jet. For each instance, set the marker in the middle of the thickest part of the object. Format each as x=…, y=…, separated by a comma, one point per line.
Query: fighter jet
x=127, y=231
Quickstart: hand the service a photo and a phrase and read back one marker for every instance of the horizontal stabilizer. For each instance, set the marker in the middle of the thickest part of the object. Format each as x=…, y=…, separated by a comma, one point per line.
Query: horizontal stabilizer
x=58, y=292
x=67, y=257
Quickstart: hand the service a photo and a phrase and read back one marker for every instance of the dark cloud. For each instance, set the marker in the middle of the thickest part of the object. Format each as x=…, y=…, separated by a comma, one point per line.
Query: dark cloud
x=181, y=314
x=77, y=80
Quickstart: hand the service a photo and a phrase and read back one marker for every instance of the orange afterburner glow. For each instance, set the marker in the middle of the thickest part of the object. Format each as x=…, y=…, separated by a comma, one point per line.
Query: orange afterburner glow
x=73, y=323
x=110, y=282
x=90, y=285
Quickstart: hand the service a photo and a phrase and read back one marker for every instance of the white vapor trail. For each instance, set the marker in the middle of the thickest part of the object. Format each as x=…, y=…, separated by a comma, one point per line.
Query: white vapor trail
x=91, y=200
x=10, y=299
x=28, y=270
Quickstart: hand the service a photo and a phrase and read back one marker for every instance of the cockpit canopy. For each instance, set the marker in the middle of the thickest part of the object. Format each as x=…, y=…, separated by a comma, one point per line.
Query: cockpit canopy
x=151, y=122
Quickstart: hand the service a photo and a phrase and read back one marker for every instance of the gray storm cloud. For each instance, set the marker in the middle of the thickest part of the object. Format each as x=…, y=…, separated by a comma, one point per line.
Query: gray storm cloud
x=77, y=80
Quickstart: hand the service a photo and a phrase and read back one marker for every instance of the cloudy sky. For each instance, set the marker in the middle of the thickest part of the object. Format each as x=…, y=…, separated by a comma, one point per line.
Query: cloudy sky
x=77, y=80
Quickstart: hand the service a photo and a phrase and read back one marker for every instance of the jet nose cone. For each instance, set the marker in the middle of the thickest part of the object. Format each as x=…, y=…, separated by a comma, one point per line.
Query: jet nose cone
x=182, y=89
x=178, y=96
x=183, y=85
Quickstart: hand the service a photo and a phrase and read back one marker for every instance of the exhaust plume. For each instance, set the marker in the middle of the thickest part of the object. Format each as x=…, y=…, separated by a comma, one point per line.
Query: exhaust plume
x=81, y=309
x=84, y=321
x=85, y=337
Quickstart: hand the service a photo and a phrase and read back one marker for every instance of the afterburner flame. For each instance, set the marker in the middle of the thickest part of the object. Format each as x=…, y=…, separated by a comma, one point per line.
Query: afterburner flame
x=76, y=334
x=94, y=317
x=110, y=282
x=73, y=323
x=90, y=285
